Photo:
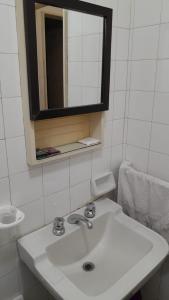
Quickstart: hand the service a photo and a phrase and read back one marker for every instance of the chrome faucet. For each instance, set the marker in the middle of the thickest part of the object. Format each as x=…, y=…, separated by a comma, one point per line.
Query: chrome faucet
x=77, y=219
x=58, y=226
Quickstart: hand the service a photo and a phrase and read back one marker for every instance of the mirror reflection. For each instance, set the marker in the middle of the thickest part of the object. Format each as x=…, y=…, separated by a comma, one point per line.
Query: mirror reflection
x=69, y=47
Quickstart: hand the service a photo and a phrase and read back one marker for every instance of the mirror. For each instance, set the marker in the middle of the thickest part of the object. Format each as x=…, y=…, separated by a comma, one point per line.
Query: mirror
x=72, y=60
x=69, y=57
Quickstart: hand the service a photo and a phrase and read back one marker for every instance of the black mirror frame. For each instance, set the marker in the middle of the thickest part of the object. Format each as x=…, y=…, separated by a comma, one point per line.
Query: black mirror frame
x=32, y=60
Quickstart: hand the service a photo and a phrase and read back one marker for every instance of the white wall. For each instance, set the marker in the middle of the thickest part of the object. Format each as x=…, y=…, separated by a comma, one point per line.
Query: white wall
x=55, y=189
x=147, y=113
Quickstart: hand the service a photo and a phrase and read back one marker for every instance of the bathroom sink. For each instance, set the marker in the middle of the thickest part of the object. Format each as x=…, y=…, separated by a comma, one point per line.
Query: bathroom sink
x=111, y=261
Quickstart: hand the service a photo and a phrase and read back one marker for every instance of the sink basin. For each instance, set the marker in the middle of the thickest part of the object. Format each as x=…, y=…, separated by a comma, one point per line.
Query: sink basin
x=111, y=261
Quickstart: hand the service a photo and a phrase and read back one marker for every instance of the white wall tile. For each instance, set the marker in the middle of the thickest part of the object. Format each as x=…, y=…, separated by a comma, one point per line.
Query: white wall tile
x=141, y=105
x=159, y=165
x=55, y=177
x=164, y=41
x=159, y=142
x=3, y=160
x=101, y=161
x=145, y=42
x=8, y=258
x=107, y=137
x=124, y=7
x=57, y=205
x=80, y=168
x=114, y=43
x=122, y=44
x=34, y=217
x=8, y=34
x=5, y=192
x=121, y=76
x=91, y=47
x=80, y=195
x=165, y=11
x=16, y=155
x=26, y=187
x=116, y=158
x=117, y=132
x=13, y=117
x=8, y=2
x=1, y=122
x=119, y=105
x=91, y=74
x=138, y=133
x=9, y=74
x=147, y=12
x=143, y=75
x=138, y=157
x=163, y=76
x=161, y=108
x=75, y=48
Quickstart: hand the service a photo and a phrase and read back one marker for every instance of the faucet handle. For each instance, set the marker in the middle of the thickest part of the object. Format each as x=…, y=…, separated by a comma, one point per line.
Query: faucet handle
x=58, y=226
x=90, y=210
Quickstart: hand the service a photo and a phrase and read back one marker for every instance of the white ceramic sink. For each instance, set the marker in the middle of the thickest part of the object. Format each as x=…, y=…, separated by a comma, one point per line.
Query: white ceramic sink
x=124, y=254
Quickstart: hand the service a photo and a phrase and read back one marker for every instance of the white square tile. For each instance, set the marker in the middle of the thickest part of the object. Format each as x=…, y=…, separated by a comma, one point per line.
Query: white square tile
x=163, y=76
x=75, y=73
x=16, y=155
x=57, y=205
x=91, y=74
x=91, y=24
x=121, y=76
x=107, y=136
x=101, y=161
x=108, y=115
x=8, y=34
x=164, y=41
x=5, y=192
x=117, y=134
x=124, y=9
x=138, y=157
x=3, y=160
x=138, y=133
x=8, y=2
x=141, y=105
x=55, y=177
x=165, y=11
x=75, y=48
x=91, y=47
x=80, y=195
x=122, y=44
x=159, y=165
x=112, y=76
x=145, y=42
x=26, y=187
x=9, y=285
x=91, y=95
x=1, y=122
x=114, y=43
x=13, y=117
x=8, y=258
x=116, y=159
x=34, y=217
x=80, y=168
x=147, y=12
x=161, y=108
x=159, y=140
x=74, y=18
x=119, y=105
x=9, y=74
x=75, y=95
x=143, y=75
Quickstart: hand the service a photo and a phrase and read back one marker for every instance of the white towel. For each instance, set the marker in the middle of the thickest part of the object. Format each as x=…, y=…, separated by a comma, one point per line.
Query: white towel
x=144, y=198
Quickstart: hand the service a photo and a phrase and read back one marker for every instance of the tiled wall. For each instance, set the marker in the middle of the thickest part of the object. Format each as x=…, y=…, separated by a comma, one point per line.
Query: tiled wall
x=147, y=111
x=58, y=188
x=147, y=126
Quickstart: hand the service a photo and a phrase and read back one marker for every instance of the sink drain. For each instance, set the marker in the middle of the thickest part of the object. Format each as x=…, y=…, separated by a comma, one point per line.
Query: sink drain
x=88, y=267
